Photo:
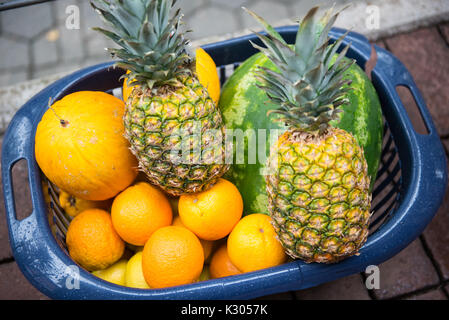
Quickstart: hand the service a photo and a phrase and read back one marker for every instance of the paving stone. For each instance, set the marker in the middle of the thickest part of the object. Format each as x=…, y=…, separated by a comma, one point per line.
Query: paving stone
x=406, y=272
x=56, y=69
x=14, y=285
x=61, y=7
x=436, y=236
x=71, y=44
x=217, y=20
x=436, y=294
x=348, y=288
x=13, y=53
x=189, y=7
x=298, y=8
x=235, y=4
x=425, y=54
x=96, y=45
x=28, y=21
x=89, y=19
x=94, y=60
x=444, y=28
x=446, y=289
x=13, y=77
x=272, y=11
x=44, y=52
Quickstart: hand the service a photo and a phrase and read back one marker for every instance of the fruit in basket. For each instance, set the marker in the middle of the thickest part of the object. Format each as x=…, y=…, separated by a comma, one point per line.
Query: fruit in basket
x=207, y=75
x=134, y=275
x=244, y=106
x=138, y=211
x=205, y=274
x=79, y=146
x=114, y=273
x=252, y=244
x=171, y=121
x=74, y=206
x=172, y=256
x=92, y=240
x=221, y=265
x=207, y=245
x=212, y=214
x=317, y=178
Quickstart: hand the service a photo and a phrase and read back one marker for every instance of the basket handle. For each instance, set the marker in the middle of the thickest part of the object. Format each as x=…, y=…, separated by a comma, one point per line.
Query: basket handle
x=397, y=75
x=17, y=146
x=423, y=163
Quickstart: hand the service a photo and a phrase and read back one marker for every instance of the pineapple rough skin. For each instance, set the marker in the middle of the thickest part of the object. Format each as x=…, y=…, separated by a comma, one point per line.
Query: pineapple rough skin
x=318, y=194
x=178, y=137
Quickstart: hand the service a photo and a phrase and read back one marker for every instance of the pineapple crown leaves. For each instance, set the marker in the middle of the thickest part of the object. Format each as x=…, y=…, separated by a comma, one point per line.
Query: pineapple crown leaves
x=309, y=86
x=151, y=45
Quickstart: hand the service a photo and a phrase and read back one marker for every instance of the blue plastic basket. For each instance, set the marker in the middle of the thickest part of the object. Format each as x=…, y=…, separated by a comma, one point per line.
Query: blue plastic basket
x=409, y=189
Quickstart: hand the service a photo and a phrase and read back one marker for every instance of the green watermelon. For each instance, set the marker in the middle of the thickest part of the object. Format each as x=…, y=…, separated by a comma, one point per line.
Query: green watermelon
x=244, y=106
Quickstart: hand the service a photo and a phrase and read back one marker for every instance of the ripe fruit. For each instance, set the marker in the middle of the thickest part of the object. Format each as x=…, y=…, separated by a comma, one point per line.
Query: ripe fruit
x=134, y=275
x=92, y=240
x=138, y=211
x=80, y=147
x=205, y=274
x=114, y=274
x=207, y=245
x=212, y=214
x=172, y=256
x=252, y=244
x=168, y=106
x=74, y=206
x=221, y=265
x=317, y=182
x=206, y=71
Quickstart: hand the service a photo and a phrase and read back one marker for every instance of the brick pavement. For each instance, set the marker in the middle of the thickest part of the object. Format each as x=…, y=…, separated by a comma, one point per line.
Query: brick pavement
x=419, y=272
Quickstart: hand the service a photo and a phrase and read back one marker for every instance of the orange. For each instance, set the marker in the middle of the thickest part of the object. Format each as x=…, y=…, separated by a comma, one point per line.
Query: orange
x=92, y=240
x=221, y=265
x=252, y=244
x=138, y=211
x=207, y=75
x=213, y=213
x=80, y=146
x=172, y=256
x=207, y=245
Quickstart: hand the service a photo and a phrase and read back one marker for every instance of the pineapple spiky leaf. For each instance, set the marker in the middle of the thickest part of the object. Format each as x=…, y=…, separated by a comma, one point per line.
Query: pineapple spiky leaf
x=152, y=47
x=309, y=87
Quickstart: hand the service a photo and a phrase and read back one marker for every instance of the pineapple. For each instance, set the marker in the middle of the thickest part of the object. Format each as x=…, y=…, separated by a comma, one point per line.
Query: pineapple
x=317, y=179
x=170, y=120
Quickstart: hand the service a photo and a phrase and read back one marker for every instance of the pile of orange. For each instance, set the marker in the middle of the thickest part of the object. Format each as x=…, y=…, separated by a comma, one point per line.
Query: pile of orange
x=208, y=239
